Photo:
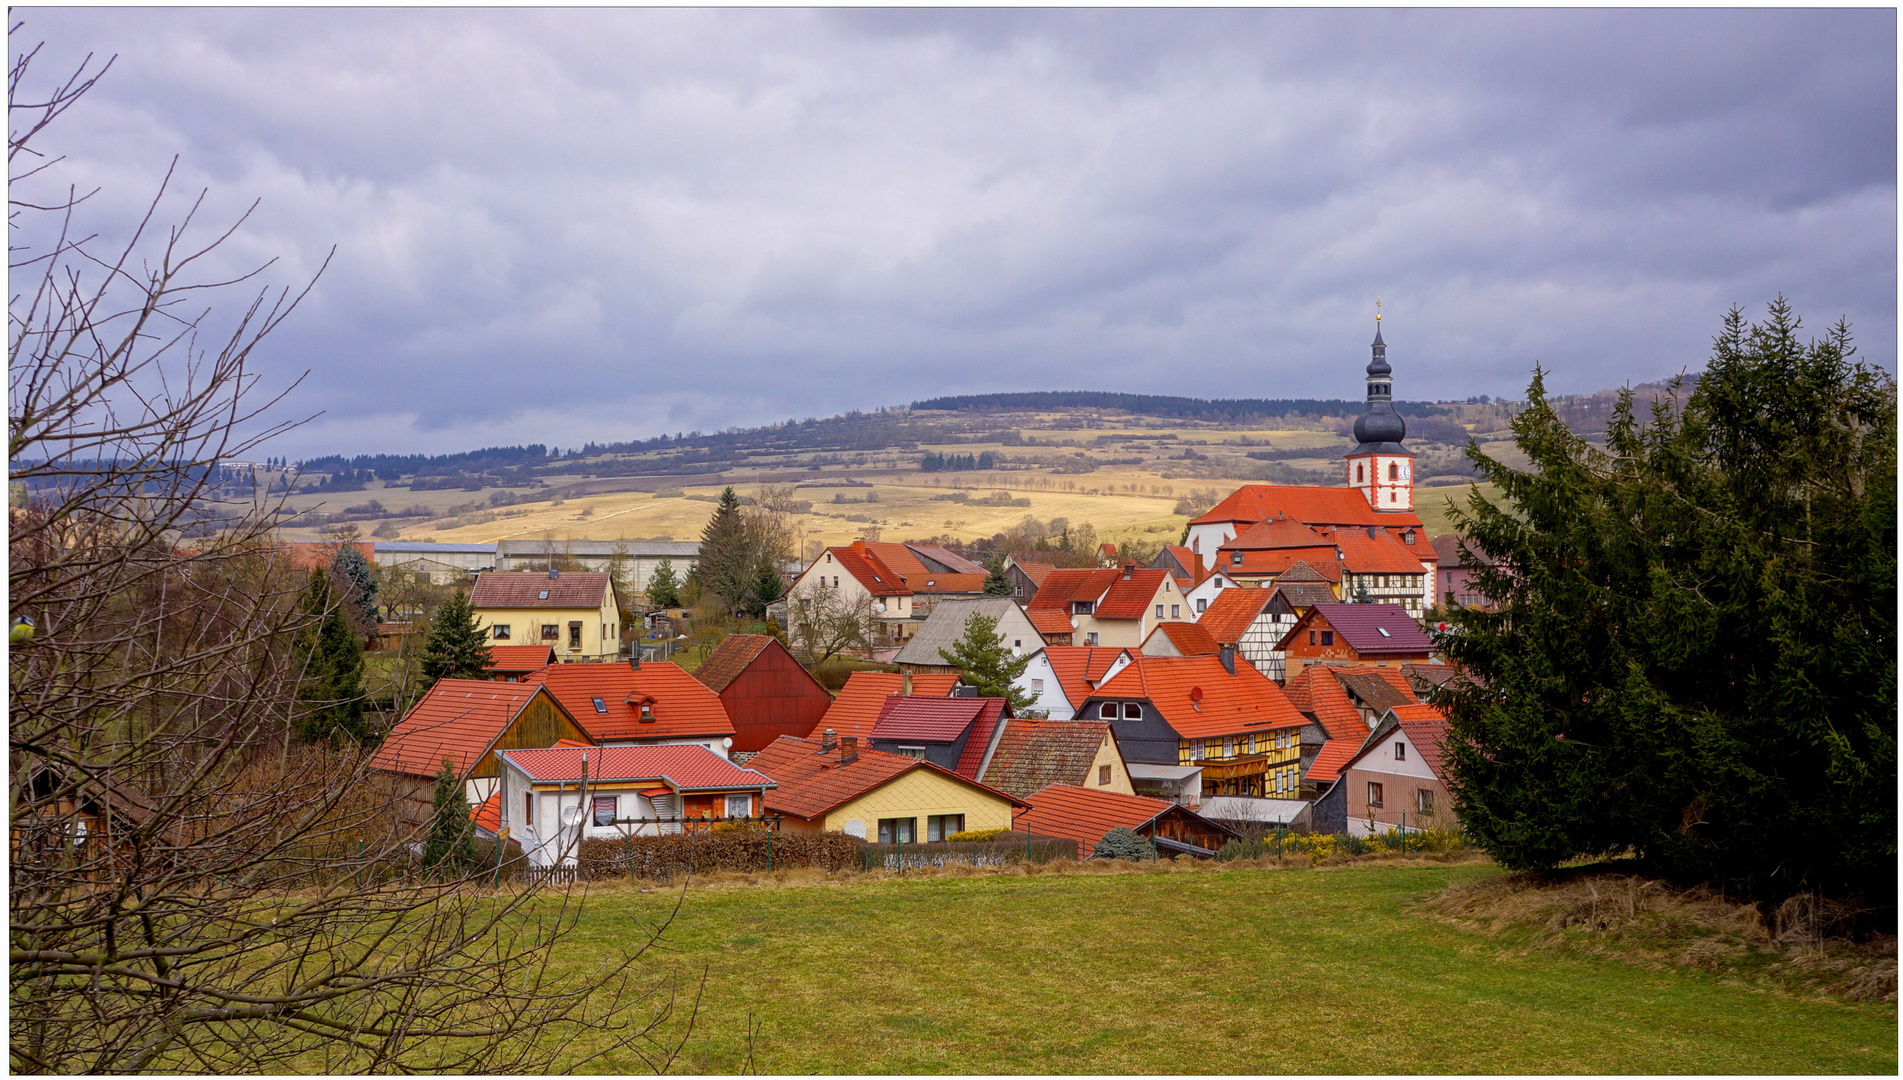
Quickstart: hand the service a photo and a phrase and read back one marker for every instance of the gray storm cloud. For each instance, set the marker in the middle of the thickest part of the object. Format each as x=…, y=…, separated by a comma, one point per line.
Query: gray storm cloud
x=558, y=226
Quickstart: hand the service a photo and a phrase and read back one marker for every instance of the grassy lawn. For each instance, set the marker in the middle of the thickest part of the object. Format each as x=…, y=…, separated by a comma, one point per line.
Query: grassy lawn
x=1203, y=971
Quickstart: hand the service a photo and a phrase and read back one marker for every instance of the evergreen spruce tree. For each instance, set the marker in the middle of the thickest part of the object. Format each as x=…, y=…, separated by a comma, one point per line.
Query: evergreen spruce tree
x=456, y=647
x=996, y=583
x=987, y=663
x=450, y=847
x=767, y=587
x=726, y=564
x=1690, y=646
x=663, y=587
x=330, y=693
x=350, y=565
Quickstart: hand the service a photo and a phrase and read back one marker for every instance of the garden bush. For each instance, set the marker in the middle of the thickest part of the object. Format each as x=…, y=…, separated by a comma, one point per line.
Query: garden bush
x=1123, y=844
x=741, y=849
x=977, y=834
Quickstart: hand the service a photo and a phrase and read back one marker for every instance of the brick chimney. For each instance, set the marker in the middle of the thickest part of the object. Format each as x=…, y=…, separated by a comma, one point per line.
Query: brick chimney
x=828, y=740
x=634, y=658
x=1227, y=654
x=849, y=749
x=905, y=684
x=1129, y=568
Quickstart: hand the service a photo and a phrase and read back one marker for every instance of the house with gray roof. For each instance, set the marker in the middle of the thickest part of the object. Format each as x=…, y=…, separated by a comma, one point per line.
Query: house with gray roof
x=946, y=625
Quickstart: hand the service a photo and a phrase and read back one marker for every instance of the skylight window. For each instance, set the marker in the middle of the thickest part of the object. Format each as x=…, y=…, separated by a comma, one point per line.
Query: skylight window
x=1384, y=631
x=543, y=595
x=600, y=705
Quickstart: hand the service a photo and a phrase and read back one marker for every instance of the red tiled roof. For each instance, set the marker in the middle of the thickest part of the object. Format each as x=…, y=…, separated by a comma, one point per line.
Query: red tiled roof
x=1115, y=596
x=897, y=556
x=1307, y=572
x=1361, y=626
x=1426, y=727
x=683, y=706
x=812, y=783
x=488, y=816
x=1034, y=754
x=979, y=740
x=958, y=563
x=1382, y=553
x=729, y=659
x=934, y=584
x=458, y=720
x=1054, y=623
x=1079, y=668
x=1190, y=639
x=926, y=719
x=1453, y=550
x=1036, y=571
x=1333, y=757
x=857, y=707
x=511, y=658
x=1085, y=814
x=570, y=742
x=870, y=570
x=1274, y=535
x=1060, y=587
x=1308, y=505
x=1231, y=613
x=1277, y=563
x=1229, y=704
x=687, y=768
x=1189, y=561
x=497, y=589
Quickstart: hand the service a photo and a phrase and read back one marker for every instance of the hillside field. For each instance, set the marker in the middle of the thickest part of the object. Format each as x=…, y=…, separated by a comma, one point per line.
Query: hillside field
x=1192, y=969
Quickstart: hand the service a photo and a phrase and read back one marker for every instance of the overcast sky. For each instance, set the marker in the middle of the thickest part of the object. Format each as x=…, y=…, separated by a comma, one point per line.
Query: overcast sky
x=555, y=226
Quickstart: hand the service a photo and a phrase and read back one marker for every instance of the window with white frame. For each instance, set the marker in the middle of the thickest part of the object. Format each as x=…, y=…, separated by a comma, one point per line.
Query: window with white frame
x=1107, y=711
x=1400, y=750
x=909, y=751
x=739, y=805
x=941, y=826
x=1374, y=795
x=1037, y=686
x=1132, y=710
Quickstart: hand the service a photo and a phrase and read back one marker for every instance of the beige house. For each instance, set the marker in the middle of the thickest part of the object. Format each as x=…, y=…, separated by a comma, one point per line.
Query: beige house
x=849, y=577
x=873, y=795
x=1117, y=608
x=575, y=614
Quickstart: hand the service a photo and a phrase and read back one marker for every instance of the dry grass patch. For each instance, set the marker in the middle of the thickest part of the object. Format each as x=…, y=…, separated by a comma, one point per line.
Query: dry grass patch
x=1799, y=947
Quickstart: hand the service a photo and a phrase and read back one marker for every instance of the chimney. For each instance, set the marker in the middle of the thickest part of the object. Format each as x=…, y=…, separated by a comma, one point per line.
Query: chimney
x=1227, y=654
x=828, y=739
x=905, y=684
x=1374, y=531
x=634, y=658
x=1129, y=568
x=553, y=573
x=849, y=749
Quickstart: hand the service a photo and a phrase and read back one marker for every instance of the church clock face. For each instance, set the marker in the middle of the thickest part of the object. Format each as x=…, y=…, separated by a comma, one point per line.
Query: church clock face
x=1407, y=471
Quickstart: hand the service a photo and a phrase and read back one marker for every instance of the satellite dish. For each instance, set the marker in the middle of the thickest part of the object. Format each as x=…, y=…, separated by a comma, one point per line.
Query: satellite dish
x=727, y=742
x=856, y=829
x=571, y=814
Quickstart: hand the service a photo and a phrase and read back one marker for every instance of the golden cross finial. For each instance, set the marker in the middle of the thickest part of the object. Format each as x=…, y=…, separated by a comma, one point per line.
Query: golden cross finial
x=1377, y=309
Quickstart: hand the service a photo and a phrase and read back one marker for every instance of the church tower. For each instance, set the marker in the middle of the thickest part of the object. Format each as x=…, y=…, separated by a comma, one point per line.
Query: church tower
x=1379, y=466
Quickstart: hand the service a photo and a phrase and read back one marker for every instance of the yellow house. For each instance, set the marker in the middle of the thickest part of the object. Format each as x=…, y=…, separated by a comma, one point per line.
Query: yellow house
x=874, y=795
x=576, y=614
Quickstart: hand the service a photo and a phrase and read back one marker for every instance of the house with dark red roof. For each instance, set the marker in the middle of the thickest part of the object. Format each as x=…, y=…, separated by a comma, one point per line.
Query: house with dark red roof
x=1396, y=780
x=956, y=733
x=1086, y=814
x=465, y=722
x=639, y=703
x=552, y=798
x=854, y=712
x=832, y=785
x=1179, y=639
x=1457, y=566
x=1026, y=572
x=895, y=585
x=575, y=614
x=1382, y=635
x=766, y=691
x=1214, y=716
x=1107, y=607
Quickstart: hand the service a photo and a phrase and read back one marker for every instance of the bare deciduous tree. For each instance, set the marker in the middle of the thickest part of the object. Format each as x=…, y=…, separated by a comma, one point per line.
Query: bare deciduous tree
x=825, y=624
x=191, y=889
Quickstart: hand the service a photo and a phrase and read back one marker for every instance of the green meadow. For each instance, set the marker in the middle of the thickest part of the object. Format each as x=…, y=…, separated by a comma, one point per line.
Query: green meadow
x=1183, y=969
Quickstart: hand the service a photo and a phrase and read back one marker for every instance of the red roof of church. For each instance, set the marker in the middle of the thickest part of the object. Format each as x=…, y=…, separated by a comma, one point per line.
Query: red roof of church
x=1308, y=505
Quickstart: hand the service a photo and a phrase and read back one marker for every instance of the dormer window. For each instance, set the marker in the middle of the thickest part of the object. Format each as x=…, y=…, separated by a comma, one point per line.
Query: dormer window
x=1107, y=711
x=1083, y=607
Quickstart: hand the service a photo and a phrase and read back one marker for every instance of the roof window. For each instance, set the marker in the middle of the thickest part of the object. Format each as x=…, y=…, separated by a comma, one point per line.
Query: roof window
x=1384, y=631
x=600, y=705
x=543, y=595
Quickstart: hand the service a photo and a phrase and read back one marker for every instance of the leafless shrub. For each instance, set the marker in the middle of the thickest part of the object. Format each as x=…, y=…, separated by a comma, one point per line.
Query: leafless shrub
x=191, y=889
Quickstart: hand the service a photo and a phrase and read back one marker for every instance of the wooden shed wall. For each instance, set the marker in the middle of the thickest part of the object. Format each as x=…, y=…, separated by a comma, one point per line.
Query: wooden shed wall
x=539, y=725
x=774, y=696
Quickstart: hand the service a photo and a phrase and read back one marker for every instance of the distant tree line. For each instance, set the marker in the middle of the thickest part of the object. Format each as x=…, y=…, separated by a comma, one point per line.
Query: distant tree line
x=1218, y=410
x=935, y=462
